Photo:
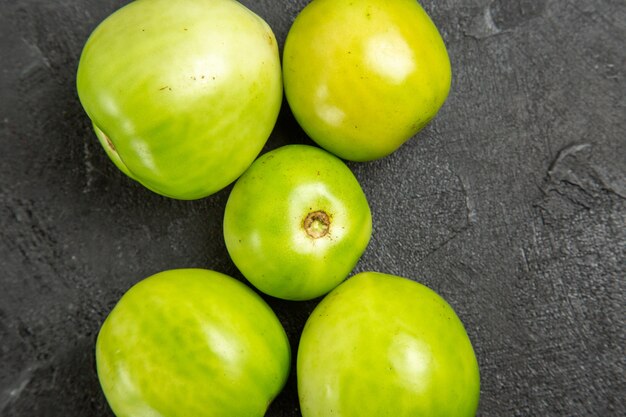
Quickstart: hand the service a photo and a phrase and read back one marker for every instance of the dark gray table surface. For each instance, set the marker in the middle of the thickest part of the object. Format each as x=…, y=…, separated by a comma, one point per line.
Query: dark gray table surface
x=511, y=204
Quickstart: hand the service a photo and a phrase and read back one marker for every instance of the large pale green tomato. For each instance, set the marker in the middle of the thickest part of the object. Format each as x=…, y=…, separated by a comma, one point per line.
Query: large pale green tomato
x=191, y=342
x=385, y=346
x=364, y=76
x=297, y=222
x=182, y=94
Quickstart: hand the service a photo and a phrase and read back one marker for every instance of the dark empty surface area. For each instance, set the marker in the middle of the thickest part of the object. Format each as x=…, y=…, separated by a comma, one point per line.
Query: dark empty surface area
x=511, y=204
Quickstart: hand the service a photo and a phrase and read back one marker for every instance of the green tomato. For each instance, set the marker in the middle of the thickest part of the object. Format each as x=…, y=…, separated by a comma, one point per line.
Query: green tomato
x=182, y=94
x=297, y=222
x=364, y=76
x=191, y=342
x=385, y=346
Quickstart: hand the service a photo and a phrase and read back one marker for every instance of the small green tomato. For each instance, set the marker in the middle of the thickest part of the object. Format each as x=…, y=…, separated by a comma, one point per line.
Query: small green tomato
x=364, y=76
x=182, y=94
x=191, y=342
x=297, y=222
x=385, y=346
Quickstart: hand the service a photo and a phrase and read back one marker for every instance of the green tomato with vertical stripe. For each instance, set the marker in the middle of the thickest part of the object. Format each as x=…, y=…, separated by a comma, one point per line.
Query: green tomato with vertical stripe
x=364, y=76
x=385, y=346
x=184, y=94
x=191, y=342
x=297, y=222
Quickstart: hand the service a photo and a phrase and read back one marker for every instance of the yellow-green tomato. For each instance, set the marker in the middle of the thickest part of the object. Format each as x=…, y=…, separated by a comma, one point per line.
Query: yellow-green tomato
x=182, y=94
x=191, y=342
x=385, y=346
x=297, y=222
x=364, y=76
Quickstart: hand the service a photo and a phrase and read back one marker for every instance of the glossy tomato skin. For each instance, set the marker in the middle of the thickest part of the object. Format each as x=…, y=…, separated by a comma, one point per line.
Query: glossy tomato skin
x=364, y=76
x=191, y=342
x=384, y=346
x=183, y=94
x=274, y=225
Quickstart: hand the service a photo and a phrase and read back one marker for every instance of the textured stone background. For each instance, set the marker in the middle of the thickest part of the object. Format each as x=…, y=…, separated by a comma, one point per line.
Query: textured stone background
x=511, y=204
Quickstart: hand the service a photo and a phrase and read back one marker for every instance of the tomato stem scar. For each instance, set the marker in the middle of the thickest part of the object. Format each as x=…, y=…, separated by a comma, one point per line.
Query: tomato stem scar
x=109, y=143
x=316, y=224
